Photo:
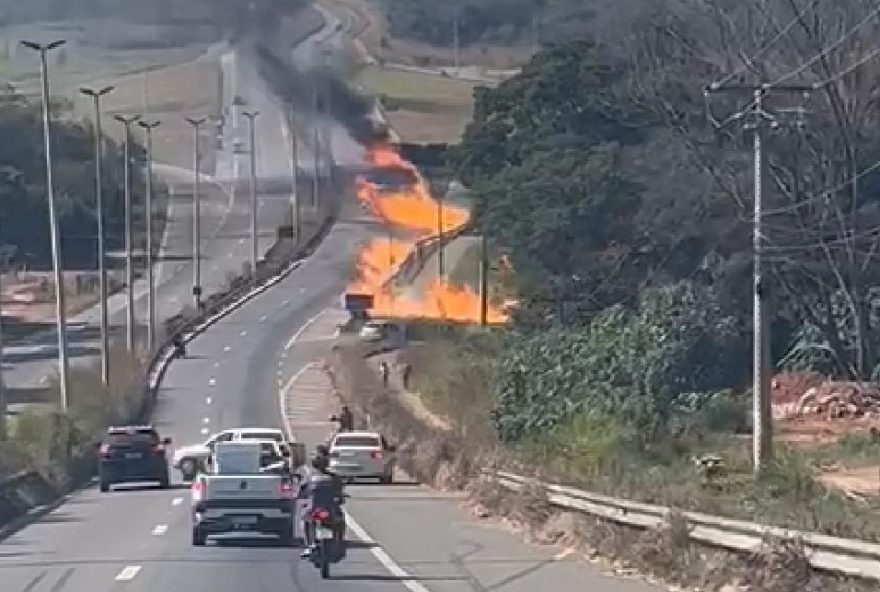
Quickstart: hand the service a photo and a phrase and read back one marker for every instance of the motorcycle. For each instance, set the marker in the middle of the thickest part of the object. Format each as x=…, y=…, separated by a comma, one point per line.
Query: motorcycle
x=327, y=540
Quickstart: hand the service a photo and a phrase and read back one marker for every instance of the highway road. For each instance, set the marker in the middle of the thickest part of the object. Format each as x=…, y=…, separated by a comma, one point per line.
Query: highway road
x=244, y=371
x=225, y=230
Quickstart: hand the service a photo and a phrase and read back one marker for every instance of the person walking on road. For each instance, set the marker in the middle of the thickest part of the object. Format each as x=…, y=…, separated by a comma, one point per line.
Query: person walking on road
x=346, y=419
x=405, y=373
x=385, y=371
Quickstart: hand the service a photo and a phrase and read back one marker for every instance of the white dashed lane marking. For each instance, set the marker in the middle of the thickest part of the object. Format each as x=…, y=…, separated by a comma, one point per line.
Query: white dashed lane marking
x=208, y=400
x=177, y=501
x=160, y=529
x=128, y=573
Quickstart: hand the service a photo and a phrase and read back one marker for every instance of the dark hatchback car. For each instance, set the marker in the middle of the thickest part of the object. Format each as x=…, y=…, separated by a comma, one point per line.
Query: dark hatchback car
x=131, y=454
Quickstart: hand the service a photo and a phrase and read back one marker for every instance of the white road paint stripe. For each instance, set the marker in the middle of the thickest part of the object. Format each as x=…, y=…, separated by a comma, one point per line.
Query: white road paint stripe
x=263, y=318
x=128, y=573
x=208, y=400
x=204, y=431
x=411, y=584
x=243, y=332
x=282, y=399
x=206, y=420
x=241, y=241
x=300, y=331
x=212, y=382
x=177, y=501
x=160, y=529
x=216, y=364
x=228, y=348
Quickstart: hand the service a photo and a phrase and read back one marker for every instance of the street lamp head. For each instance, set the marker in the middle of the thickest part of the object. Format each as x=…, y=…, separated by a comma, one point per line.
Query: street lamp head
x=195, y=121
x=126, y=120
x=106, y=90
x=96, y=93
x=250, y=114
x=149, y=125
x=43, y=47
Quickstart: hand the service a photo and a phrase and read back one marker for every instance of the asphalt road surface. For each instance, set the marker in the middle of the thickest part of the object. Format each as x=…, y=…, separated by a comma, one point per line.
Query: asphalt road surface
x=243, y=371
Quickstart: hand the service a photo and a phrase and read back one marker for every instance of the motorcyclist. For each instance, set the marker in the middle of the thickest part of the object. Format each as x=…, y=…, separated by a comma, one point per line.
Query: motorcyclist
x=323, y=489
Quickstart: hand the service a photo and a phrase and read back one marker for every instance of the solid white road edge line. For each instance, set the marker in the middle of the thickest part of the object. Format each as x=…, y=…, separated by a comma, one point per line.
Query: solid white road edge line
x=282, y=399
x=128, y=573
x=301, y=330
x=411, y=584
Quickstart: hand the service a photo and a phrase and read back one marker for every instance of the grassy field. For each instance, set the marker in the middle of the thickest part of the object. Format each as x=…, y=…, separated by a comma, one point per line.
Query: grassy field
x=421, y=107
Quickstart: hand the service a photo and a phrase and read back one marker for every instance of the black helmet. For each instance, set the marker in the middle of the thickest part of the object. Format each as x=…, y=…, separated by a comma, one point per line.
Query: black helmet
x=322, y=449
x=320, y=463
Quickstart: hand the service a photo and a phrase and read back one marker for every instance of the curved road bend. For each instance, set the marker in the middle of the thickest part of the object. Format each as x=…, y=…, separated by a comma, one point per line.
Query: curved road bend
x=139, y=539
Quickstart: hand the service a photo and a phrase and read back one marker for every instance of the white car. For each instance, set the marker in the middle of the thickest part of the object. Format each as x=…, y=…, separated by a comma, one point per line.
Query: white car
x=362, y=455
x=390, y=334
x=189, y=459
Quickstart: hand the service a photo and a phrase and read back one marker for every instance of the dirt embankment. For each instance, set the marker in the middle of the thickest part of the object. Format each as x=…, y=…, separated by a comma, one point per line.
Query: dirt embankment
x=445, y=460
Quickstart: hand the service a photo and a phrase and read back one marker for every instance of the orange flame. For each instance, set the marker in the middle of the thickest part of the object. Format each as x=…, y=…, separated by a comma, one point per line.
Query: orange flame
x=413, y=209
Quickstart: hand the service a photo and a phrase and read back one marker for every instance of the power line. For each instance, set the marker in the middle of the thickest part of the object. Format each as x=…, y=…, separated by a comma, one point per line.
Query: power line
x=864, y=60
x=766, y=47
x=828, y=49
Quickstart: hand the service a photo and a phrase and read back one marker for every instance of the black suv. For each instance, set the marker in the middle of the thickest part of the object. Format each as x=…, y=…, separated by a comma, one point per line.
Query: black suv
x=132, y=454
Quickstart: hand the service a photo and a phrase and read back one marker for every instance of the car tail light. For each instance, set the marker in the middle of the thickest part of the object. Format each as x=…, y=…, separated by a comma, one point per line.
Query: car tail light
x=286, y=490
x=320, y=515
x=376, y=455
x=197, y=487
x=104, y=450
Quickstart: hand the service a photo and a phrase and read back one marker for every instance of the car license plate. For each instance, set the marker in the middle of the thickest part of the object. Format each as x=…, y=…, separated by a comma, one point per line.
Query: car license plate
x=244, y=520
x=324, y=533
x=133, y=455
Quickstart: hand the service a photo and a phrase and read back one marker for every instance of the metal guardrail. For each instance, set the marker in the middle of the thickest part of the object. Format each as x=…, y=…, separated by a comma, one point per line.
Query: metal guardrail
x=850, y=557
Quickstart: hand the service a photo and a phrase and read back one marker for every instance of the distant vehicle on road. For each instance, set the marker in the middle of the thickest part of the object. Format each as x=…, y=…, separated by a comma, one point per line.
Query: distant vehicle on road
x=362, y=455
x=131, y=454
x=189, y=459
x=239, y=495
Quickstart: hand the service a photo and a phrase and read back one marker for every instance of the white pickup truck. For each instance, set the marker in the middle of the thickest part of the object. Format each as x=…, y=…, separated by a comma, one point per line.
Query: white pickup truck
x=190, y=459
x=244, y=492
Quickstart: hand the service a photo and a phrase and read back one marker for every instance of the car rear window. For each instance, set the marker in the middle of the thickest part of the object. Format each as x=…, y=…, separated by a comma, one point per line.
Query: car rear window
x=362, y=441
x=138, y=439
x=262, y=436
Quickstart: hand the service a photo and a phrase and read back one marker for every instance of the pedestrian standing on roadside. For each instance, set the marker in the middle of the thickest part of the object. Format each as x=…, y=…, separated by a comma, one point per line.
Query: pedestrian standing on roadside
x=405, y=373
x=384, y=370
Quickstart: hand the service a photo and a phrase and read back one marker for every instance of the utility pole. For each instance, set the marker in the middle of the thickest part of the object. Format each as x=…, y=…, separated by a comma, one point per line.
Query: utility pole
x=149, y=126
x=3, y=433
x=440, y=269
x=756, y=118
x=456, y=43
x=54, y=230
x=255, y=253
x=316, y=181
x=294, y=173
x=196, y=123
x=484, y=279
x=129, y=260
x=99, y=207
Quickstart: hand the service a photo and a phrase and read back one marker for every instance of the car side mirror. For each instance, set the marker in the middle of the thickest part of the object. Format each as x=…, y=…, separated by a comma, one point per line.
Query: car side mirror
x=166, y=441
x=334, y=418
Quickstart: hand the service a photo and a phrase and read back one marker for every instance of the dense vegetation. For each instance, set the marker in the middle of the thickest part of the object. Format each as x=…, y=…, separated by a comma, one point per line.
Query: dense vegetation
x=24, y=214
x=484, y=21
x=634, y=258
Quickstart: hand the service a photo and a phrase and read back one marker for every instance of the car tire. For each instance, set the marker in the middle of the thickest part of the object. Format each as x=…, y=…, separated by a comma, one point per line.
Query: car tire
x=104, y=486
x=188, y=469
x=387, y=479
x=199, y=538
x=164, y=482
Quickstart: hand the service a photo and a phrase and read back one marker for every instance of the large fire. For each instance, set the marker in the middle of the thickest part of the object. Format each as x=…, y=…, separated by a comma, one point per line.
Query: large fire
x=411, y=209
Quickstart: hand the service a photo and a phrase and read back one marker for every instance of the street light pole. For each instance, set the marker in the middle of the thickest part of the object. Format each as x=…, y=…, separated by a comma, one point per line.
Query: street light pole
x=197, y=237
x=129, y=262
x=149, y=126
x=440, y=269
x=99, y=207
x=60, y=312
x=294, y=192
x=255, y=254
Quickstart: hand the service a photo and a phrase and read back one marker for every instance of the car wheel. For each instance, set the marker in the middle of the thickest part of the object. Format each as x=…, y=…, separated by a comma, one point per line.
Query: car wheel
x=387, y=478
x=104, y=486
x=198, y=537
x=188, y=469
x=164, y=481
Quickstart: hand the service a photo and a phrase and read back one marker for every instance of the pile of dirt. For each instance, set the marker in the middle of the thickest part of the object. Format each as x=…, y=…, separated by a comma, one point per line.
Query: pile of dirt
x=810, y=395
